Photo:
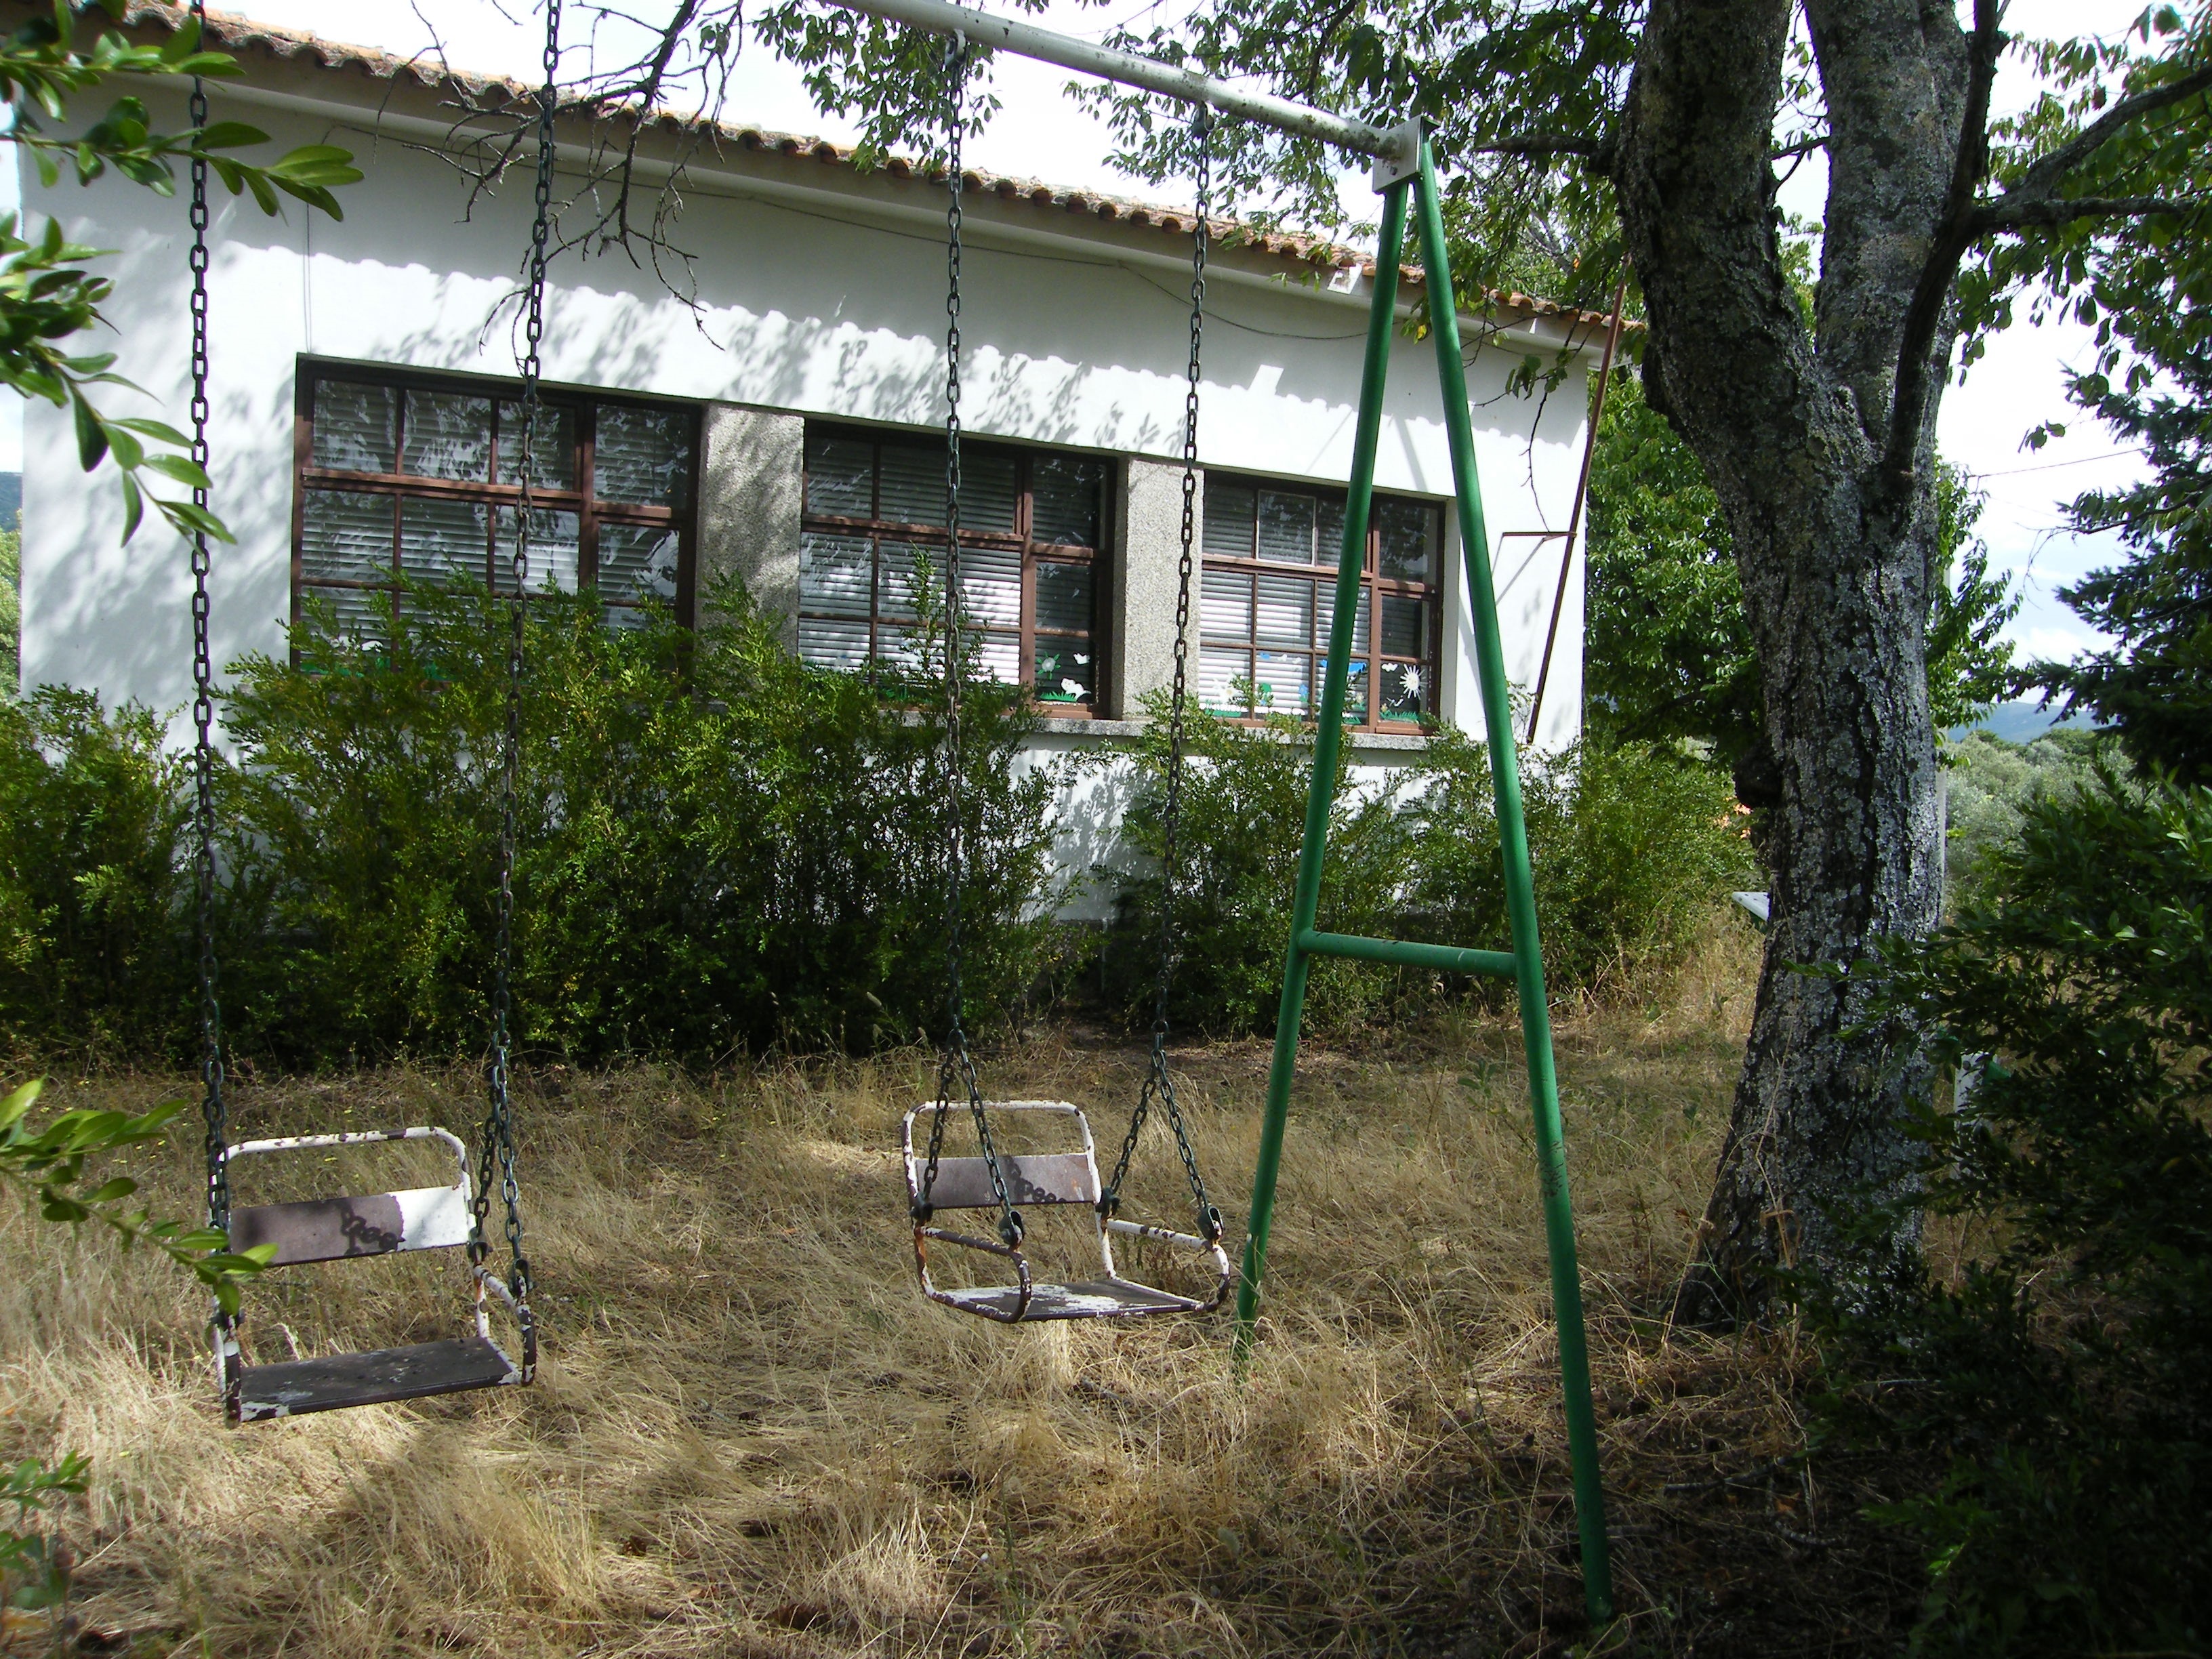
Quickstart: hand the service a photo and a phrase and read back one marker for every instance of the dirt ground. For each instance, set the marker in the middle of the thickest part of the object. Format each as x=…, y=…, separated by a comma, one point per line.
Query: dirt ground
x=751, y=1437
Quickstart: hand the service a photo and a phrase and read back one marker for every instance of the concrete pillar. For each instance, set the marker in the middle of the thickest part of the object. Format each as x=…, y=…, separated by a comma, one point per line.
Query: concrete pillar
x=751, y=492
x=1141, y=627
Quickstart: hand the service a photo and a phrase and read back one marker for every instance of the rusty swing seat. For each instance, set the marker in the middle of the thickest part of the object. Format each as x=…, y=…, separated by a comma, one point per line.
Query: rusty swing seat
x=1033, y=1181
x=376, y=1224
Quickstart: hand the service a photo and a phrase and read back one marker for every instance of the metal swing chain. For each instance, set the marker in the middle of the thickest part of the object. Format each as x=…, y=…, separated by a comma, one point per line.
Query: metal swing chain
x=213, y=1108
x=957, y=1063
x=1158, y=1084
x=495, y=1149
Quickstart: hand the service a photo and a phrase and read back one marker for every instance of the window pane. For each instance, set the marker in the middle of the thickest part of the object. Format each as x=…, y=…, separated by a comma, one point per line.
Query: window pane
x=913, y=485
x=1286, y=527
x=841, y=476
x=842, y=645
x=898, y=579
x=1407, y=534
x=642, y=455
x=346, y=538
x=359, y=613
x=441, y=540
x=1326, y=604
x=900, y=647
x=1063, y=595
x=624, y=618
x=1225, y=611
x=1218, y=672
x=448, y=436
x=552, y=446
x=1065, y=671
x=1355, y=690
x=991, y=586
x=1404, y=633
x=997, y=656
x=553, y=552
x=1405, y=691
x=835, y=574
x=1328, y=539
x=990, y=490
x=355, y=427
x=1282, y=683
x=1285, y=611
x=637, y=562
x=1229, y=511
x=1064, y=500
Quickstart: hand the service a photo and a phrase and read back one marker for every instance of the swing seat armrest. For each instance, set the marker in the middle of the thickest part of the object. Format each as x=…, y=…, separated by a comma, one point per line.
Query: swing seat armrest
x=1165, y=1235
x=922, y=1234
x=1224, y=1272
x=489, y=1280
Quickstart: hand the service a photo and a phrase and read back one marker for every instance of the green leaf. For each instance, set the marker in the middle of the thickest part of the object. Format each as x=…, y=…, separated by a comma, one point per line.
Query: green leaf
x=91, y=438
x=182, y=468
x=20, y=1101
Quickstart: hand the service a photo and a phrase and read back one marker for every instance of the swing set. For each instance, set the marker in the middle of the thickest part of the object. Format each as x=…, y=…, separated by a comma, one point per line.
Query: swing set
x=456, y=1215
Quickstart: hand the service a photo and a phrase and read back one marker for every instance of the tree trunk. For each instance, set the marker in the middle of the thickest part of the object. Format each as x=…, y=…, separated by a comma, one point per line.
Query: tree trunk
x=1836, y=555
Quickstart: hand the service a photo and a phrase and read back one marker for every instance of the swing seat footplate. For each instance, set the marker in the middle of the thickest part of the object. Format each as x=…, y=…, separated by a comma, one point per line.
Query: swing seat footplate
x=336, y=1381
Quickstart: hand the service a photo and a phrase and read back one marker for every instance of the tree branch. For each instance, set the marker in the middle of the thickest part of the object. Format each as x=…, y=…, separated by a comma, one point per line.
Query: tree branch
x=1544, y=143
x=1954, y=234
x=2043, y=177
x=2004, y=214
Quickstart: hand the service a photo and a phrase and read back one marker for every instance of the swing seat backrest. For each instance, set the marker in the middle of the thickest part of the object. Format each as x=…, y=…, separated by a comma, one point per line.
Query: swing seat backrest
x=373, y=1223
x=1033, y=1179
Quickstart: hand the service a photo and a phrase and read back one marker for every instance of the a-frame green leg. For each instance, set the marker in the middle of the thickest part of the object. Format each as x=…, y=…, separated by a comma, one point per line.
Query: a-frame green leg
x=1524, y=965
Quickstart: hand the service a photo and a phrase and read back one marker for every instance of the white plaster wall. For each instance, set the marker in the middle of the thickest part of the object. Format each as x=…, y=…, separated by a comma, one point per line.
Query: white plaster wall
x=834, y=311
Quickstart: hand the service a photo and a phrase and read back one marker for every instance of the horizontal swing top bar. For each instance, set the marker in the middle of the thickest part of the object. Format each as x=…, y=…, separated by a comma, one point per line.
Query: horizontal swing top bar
x=1396, y=146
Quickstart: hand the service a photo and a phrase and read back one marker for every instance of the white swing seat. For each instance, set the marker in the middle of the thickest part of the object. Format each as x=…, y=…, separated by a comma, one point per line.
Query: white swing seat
x=375, y=1223
x=1035, y=1180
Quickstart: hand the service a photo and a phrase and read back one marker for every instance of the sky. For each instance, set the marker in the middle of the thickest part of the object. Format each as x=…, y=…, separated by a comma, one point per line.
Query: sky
x=1039, y=132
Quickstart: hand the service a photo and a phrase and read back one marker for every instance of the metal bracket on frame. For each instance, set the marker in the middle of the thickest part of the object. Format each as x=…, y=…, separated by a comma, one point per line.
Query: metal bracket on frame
x=1403, y=160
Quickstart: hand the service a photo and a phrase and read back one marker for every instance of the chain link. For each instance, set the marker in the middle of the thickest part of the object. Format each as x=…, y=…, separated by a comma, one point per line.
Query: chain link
x=1159, y=1085
x=214, y=1109
x=496, y=1143
x=955, y=1065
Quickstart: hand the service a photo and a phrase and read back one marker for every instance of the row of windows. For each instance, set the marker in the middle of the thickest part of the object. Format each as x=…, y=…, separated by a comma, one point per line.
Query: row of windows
x=400, y=476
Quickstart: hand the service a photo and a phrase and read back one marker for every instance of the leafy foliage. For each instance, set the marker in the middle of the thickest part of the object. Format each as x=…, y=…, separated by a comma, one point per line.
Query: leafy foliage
x=1630, y=850
x=47, y=1167
x=92, y=815
x=1669, y=653
x=2061, y=1378
x=717, y=847
x=1989, y=784
x=47, y=297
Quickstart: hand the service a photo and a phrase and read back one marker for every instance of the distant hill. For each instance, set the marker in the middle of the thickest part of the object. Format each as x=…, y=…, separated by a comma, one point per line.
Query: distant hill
x=11, y=498
x=2022, y=722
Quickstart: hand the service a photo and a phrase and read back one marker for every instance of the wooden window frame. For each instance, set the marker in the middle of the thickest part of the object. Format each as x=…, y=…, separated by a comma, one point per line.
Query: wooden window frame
x=876, y=529
x=592, y=512
x=1374, y=585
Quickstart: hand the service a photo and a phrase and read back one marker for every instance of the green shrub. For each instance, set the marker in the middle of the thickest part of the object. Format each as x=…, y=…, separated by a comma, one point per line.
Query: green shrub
x=1630, y=850
x=717, y=847
x=2061, y=1380
x=91, y=816
x=1244, y=816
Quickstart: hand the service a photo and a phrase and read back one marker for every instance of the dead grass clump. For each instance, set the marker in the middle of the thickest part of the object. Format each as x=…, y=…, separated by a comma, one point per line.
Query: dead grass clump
x=752, y=1436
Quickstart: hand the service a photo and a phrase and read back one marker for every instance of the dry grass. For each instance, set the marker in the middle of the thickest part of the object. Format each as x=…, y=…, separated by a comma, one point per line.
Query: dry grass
x=752, y=1436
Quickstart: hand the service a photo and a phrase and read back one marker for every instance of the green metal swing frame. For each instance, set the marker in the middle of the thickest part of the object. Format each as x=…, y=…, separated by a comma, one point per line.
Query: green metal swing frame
x=1523, y=964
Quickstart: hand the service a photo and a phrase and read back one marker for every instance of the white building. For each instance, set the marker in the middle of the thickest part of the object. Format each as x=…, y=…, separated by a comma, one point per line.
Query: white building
x=787, y=428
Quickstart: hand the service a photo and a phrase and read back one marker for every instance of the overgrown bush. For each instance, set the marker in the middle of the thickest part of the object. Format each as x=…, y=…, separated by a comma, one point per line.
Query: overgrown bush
x=1243, y=816
x=1630, y=848
x=2061, y=1377
x=717, y=847
x=92, y=815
